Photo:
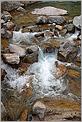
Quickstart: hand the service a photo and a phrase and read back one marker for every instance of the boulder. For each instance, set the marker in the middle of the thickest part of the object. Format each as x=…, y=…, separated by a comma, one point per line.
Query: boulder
x=39, y=109
x=31, y=54
x=17, y=50
x=11, y=58
x=10, y=5
x=68, y=52
x=6, y=16
x=70, y=27
x=9, y=25
x=52, y=11
x=21, y=9
x=51, y=19
x=50, y=45
x=6, y=33
x=77, y=21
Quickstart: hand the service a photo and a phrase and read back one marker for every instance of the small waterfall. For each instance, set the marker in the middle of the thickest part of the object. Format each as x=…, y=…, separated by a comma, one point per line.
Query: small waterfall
x=40, y=54
x=18, y=36
x=45, y=83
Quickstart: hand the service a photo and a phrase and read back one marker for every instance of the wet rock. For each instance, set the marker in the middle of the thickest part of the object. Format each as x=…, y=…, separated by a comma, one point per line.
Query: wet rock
x=70, y=27
x=50, y=20
x=3, y=112
x=50, y=45
x=17, y=49
x=21, y=9
x=63, y=32
x=24, y=115
x=3, y=73
x=3, y=32
x=60, y=70
x=10, y=5
x=6, y=33
x=60, y=109
x=39, y=109
x=15, y=101
x=6, y=16
x=9, y=25
x=2, y=22
x=31, y=54
x=23, y=67
x=74, y=78
x=77, y=21
x=59, y=27
x=11, y=58
x=49, y=11
x=67, y=52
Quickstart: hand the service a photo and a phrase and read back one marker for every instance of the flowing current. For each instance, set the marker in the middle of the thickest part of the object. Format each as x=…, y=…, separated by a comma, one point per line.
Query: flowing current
x=43, y=73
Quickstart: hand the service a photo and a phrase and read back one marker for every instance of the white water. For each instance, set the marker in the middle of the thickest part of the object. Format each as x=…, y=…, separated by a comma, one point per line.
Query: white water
x=14, y=79
x=18, y=36
x=44, y=82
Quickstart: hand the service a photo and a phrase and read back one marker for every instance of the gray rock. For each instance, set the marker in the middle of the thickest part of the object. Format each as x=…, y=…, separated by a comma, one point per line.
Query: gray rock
x=50, y=20
x=21, y=9
x=70, y=27
x=77, y=21
x=11, y=58
x=8, y=34
x=2, y=22
x=39, y=109
x=10, y=5
x=17, y=49
x=9, y=25
x=6, y=16
x=52, y=11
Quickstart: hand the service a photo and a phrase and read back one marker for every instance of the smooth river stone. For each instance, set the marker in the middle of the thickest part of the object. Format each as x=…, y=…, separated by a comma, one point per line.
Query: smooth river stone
x=49, y=11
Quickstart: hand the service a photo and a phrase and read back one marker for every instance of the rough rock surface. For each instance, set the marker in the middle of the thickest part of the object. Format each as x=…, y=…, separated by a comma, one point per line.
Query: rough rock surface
x=39, y=109
x=11, y=58
x=17, y=49
x=10, y=5
x=49, y=11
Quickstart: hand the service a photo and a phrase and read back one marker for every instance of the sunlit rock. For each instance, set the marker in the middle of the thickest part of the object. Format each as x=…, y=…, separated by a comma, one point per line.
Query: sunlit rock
x=11, y=58
x=17, y=49
x=49, y=11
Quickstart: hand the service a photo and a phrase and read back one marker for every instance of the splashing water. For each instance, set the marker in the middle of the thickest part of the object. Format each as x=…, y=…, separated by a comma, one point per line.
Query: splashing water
x=44, y=82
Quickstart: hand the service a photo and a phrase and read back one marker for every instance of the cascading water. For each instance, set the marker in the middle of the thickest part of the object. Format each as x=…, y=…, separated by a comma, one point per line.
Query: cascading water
x=44, y=82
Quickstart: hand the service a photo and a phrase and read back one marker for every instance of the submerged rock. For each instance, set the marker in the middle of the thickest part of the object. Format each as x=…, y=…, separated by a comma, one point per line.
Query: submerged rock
x=49, y=11
x=11, y=58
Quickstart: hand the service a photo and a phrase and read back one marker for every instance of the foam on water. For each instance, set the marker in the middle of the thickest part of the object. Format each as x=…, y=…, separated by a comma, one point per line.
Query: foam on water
x=18, y=36
x=14, y=79
x=44, y=82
